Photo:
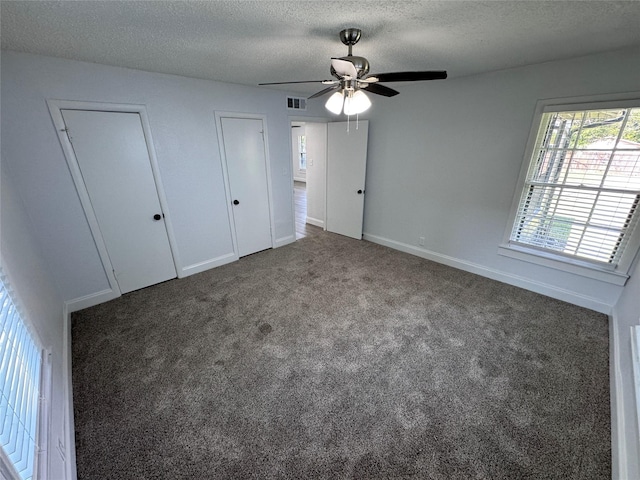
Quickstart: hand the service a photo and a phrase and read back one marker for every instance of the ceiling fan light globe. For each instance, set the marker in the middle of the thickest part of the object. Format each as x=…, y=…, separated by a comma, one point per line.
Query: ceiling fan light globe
x=357, y=103
x=335, y=102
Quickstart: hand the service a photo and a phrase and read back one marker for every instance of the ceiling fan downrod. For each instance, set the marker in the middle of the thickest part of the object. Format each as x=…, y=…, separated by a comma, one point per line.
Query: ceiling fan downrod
x=350, y=36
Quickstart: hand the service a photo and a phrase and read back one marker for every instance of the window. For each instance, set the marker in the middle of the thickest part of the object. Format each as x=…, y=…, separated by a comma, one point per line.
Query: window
x=302, y=148
x=580, y=200
x=20, y=366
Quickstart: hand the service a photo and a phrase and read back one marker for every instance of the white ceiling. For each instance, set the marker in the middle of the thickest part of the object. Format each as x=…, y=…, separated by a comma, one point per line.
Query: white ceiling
x=252, y=42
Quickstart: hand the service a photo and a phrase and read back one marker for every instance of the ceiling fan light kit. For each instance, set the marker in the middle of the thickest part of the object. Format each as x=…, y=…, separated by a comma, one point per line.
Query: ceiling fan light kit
x=335, y=102
x=352, y=77
x=356, y=103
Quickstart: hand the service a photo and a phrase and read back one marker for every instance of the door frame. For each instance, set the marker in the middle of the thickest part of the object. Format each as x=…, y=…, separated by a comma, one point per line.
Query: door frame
x=55, y=109
x=300, y=118
x=219, y=115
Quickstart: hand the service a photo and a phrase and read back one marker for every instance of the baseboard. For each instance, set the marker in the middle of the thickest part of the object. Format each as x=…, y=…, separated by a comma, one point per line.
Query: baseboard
x=515, y=280
x=618, y=444
x=70, y=440
x=315, y=221
x=282, y=241
x=90, y=300
x=208, y=264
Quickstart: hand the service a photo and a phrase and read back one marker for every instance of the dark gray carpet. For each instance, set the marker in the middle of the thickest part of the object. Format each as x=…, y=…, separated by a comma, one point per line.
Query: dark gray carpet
x=332, y=358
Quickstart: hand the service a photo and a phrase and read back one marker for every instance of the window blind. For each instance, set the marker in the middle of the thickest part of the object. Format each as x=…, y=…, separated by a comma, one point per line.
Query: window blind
x=20, y=365
x=582, y=191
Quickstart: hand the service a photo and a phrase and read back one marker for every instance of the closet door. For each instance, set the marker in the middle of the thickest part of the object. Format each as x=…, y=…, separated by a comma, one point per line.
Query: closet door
x=244, y=149
x=112, y=155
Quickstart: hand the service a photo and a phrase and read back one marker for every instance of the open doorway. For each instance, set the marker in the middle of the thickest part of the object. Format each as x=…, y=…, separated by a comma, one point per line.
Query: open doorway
x=308, y=156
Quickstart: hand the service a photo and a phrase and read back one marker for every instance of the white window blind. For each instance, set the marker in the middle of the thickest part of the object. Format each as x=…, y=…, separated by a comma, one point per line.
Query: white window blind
x=20, y=365
x=582, y=190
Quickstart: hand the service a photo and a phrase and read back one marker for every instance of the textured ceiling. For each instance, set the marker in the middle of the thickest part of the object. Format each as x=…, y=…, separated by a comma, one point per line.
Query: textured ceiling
x=251, y=42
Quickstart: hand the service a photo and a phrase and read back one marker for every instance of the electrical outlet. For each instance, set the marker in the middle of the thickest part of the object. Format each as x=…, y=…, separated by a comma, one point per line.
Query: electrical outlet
x=421, y=241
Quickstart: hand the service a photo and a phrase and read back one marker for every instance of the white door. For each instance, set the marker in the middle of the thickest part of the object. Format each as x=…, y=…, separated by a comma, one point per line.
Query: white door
x=244, y=150
x=112, y=154
x=346, y=169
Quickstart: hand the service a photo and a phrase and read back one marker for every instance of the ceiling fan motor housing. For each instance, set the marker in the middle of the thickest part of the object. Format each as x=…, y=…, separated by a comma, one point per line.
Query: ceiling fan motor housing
x=361, y=64
x=350, y=36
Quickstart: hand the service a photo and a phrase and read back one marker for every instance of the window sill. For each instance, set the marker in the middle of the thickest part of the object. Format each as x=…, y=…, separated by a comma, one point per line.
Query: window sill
x=562, y=263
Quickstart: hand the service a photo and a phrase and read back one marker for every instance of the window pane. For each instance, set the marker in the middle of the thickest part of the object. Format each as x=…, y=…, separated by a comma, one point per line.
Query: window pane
x=20, y=364
x=302, y=148
x=631, y=130
x=600, y=125
x=581, y=193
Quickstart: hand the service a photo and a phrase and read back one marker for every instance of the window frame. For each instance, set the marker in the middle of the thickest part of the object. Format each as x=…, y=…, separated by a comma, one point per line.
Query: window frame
x=617, y=274
x=43, y=420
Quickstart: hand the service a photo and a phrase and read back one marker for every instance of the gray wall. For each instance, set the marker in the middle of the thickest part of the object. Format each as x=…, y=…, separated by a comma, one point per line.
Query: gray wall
x=181, y=116
x=36, y=290
x=625, y=428
x=444, y=159
x=46, y=244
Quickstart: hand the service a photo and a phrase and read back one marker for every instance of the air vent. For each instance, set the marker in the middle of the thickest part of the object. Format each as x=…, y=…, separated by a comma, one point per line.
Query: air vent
x=296, y=103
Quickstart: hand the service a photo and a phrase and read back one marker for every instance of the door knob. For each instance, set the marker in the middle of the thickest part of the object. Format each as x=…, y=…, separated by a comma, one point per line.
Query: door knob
x=157, y=216
x=236, y=202
x=360, y=192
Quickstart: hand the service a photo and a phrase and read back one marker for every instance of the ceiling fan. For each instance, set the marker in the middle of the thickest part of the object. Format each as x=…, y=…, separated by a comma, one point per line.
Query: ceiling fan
x=352, y=79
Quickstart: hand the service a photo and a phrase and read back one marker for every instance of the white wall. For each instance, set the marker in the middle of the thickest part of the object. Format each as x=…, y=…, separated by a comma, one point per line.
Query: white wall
x=624, y=424
x=444, y=159
x=36, y=291
x=181, y=115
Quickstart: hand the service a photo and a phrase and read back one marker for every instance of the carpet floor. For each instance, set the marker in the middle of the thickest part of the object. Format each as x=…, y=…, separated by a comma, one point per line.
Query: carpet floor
x=332, y=358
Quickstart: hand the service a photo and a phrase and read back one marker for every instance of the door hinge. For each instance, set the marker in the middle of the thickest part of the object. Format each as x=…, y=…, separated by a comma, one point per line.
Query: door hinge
x=67, y=131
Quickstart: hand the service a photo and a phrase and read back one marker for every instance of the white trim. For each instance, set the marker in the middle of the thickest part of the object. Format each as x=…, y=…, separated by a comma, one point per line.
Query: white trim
x=91, y=299
x=315, y=221
x=547, y=259
x=209, y=264
x=618, y=444
x=67, y=375
x=43, y=453
x=537, y=287
x=219, y=115
x=589, y=102
x=595, y=102
x=300, y=179
x=55, y=109
x=282, y=241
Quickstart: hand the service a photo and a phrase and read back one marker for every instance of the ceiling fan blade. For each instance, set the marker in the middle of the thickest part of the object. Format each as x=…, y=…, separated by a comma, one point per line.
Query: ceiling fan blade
x=380, y=90
x=285, y=83
x=344, y=68
x=322, y=92
x=410, y=76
